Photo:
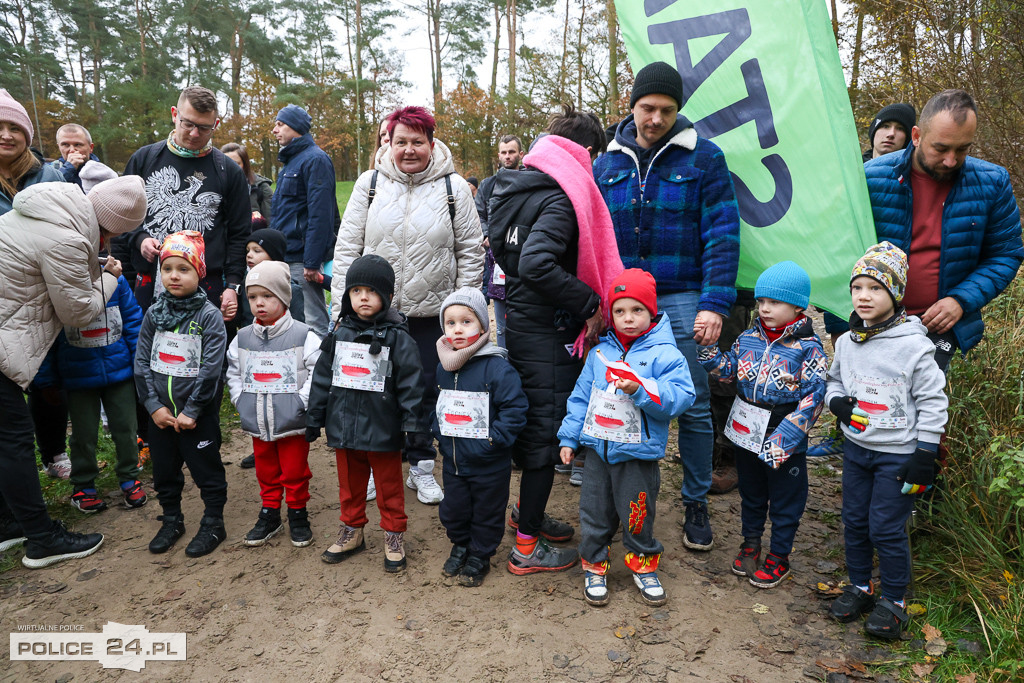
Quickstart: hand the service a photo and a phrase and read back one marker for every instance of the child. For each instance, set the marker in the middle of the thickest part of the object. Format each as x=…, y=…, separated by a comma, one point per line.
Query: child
x=367, y=392
x=177, y=375
x=887, y=391
x=779, y=368
x=270, y=369
x=480, y=411
x=627, y=433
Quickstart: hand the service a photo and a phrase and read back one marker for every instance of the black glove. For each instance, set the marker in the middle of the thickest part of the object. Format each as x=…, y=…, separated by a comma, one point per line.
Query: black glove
x=312, y=434
x=918, y=472
x=845, y=408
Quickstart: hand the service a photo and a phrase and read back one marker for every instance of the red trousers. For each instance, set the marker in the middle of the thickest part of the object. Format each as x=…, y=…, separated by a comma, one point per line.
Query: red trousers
x=353, y=476
x=282, y=466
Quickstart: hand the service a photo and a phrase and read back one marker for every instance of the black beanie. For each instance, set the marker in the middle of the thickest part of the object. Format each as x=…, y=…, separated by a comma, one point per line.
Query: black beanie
x=901, y=113
x=657, y=78
x=370, y=270
x=272, y=241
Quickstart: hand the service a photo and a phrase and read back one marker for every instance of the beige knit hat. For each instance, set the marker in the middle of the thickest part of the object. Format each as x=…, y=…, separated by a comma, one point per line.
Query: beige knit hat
x=119, y=203
x=275, y=276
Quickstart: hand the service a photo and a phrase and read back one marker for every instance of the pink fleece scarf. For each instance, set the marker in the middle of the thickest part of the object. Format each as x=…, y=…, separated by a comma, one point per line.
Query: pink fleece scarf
x=598, y=262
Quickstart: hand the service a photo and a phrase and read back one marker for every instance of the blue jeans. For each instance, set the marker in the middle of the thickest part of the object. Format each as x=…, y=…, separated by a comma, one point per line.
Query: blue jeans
x=696, y=435
x=308, y=301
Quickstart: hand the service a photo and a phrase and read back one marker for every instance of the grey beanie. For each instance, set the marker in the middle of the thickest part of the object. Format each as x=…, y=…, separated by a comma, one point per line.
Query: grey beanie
x=472, y=299
x=274, y=276
x=119, y=203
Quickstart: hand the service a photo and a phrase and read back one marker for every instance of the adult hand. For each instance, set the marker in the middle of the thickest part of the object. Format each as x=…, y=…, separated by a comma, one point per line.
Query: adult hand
x=185, y=422
x=595, y=326
x=312, y=274
x=487, y=243
x=113, y=266
x=707, y=327
x=150, y=249
x=77, y=159
x=228, y=304
x=163, y=418
x=566, y=454
x=628, y=386
x=942, y=315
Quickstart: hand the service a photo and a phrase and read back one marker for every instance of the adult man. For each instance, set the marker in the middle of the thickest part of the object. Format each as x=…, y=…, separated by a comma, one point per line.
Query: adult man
x=191, y=185
x=890, y=130
x=78, y=164
x=674, y=209
x=304, y=210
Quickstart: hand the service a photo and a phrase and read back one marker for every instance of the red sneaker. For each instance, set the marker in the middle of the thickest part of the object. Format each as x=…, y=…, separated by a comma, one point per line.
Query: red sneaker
x=775, y=569
x=87, y=502
x=134, y=494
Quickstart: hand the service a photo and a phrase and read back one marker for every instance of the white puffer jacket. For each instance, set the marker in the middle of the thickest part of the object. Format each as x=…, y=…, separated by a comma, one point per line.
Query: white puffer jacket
x=409, y=225
x=49, y=274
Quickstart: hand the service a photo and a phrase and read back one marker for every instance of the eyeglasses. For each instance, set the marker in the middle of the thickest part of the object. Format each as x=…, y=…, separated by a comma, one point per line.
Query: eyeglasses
x=189, y=126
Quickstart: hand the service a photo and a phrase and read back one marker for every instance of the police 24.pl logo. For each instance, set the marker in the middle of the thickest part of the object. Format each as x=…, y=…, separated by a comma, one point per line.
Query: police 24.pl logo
x=119, y=646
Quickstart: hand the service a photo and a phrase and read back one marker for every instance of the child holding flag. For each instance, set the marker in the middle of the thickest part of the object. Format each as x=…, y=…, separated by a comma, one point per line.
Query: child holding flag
x=633, y=384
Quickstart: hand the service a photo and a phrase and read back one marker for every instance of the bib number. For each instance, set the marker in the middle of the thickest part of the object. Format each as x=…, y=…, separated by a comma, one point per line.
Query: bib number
x=270, y=372
x=747, y=426
x=884, y=400
x=103, y=331
x=464, y=414
x=176, y=354
x=612, y=417
x=355, y=368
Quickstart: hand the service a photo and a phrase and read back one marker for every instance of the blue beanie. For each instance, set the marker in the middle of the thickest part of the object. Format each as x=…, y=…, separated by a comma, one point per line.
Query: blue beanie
x=296, y=118
x=786, y=282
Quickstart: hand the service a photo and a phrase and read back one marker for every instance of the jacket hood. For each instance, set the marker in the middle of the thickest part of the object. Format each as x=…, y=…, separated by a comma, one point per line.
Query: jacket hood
x=295, y=147
x=61, y=204
x=283, y=324
x=441, y=164
x=661, y=333
x=802, y=327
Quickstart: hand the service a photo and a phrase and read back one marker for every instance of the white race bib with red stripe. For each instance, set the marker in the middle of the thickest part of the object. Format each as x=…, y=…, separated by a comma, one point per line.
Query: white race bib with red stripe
x=883, y=399
x=103, y=331
x=747, y=426
x=176, y=354
x=354, y=367
x=612, y=417
x=464, y=414
x=270, y=372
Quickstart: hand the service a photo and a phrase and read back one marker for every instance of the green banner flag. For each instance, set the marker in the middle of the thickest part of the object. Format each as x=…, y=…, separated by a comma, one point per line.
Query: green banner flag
x=762, y=78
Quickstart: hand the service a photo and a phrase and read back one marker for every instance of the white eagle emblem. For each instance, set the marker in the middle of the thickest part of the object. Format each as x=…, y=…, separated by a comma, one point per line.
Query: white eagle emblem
x=173, y=208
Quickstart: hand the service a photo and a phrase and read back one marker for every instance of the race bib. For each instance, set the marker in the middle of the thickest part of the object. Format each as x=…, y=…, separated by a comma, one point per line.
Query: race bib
x=612, y=417
x=103, y=331
x=498, y=278
x=884, y=400
x=747, y=426
x=176, y=354
x=464, y=414
x=355, y=368
x=270, y=372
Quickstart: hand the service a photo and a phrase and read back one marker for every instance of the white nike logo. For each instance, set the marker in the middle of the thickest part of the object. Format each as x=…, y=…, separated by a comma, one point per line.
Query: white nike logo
x=203, y=444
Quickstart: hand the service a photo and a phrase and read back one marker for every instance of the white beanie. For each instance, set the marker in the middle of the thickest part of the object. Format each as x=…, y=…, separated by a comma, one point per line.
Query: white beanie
x=119, y=203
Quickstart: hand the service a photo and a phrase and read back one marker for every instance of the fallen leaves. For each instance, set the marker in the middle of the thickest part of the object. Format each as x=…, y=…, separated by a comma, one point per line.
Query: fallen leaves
x=934, y=644
x=758, y=608
x=921, y=669
x=916, y=609
x=172, y=595
x=830, y=588
x=625, y=631
x=967, y=678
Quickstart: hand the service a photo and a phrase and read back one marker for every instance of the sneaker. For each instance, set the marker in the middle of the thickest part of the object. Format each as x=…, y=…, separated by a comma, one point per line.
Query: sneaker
x=371, y=488
x=10, y=533
x=59, y=545
x=248, y=462
x=651, y=590
x=350, y=541
x=851, y=605
x=827, y=445
x=421, y=480
x=697, y=527
x=298, y=527
x=886, y=620
x=544, y=558
x=171, y=530
x=595, y=589
x=134, y=494
x=576, y=475
x=211, y=533
x=552, y=529
x=474, y=571
x=724, y=480
x=87, y=501
x=771, y=574
x=456, y=560
x=746, y=560
x=60, y=468
x=267, y=526
x=562, y=468
x=394, y=551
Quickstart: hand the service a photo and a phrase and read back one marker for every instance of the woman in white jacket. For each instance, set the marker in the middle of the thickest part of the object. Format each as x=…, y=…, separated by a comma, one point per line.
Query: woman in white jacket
x=415, y=211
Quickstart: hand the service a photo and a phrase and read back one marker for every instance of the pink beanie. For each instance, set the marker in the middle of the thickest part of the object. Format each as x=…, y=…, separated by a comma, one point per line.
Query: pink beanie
x=12, y=111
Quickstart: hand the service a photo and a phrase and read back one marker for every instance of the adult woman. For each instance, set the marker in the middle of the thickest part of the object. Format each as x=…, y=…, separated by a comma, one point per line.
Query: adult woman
x=260, y=192
x=382, y=140
x=19, y=166
x=423, y=221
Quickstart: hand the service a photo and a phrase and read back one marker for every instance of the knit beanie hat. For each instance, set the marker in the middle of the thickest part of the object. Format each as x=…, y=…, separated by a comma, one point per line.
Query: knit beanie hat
x=12, y=111
x=273, y=275
x=369, y=270
x=119, y=203
x=635, y=284
x=901, y=113
x=786, y=282
x=472, y=299
x=657, y=78
x=887, y=264
x=187, y=244
x=296, y=118
x=271, y=241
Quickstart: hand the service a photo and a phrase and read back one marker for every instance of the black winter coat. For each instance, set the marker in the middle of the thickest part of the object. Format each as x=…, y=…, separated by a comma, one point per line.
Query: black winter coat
x=534, y=237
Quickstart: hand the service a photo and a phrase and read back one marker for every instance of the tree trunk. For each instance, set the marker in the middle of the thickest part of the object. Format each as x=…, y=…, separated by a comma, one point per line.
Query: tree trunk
x=858, y=52
x=497, y=44
x=565, y=53
x=579, y=56
x=360, y=105
x=511, y=20
x=835, y=21
x=613, y=60
x=435, y=28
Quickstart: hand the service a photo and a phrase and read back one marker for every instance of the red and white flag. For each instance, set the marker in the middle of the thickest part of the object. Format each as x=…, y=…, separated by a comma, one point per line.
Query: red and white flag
x=622, y=370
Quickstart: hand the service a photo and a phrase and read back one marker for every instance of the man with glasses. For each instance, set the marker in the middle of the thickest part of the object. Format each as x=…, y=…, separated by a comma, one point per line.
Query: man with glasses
x=191, y=185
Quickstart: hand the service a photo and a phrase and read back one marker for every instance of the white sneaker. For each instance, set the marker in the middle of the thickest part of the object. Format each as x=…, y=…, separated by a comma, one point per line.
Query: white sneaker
x=421, y=480
x=371, y=488
x=60, y=468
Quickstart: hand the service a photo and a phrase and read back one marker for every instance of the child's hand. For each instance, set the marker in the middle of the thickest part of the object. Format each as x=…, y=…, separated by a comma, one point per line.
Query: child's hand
x=566, y=455
x=627, y=385
x=185, y=422
x=163, y=418
x=849, y=412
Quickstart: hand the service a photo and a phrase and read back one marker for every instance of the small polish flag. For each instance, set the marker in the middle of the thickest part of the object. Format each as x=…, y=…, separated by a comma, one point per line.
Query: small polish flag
x=622, y=370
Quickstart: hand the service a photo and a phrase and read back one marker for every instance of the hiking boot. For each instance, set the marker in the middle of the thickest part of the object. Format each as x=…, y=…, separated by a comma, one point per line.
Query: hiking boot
x=211, y=533
x=771, y=574
x=456, y=561
x=552, y=529
x=421, y=480
x=11, y=533
x=827, y=445
x=651, y=590
x=851, y=605
x=298, y=527
x=576, y=475
x=248, y=462
x=544, y=558
x=59, y=545
x=87, y=501
x=172, y=529
x=595, y=589
x=350, y=541
x=267, y=525
x=745, y=562
x=724, y=480
x=133, y=493
x=886, y=620
x=474, y=571
x=371, y=489
x=394, y=551
x=60, y=468
x=697, y=527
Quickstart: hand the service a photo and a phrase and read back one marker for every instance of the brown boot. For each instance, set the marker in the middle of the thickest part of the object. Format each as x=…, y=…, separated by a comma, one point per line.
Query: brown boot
x=350, y=541
x=724, y=479
x=394, y=551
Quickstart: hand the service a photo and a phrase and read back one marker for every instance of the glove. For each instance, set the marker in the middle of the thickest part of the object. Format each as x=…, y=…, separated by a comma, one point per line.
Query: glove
x=312, y=434
x=848, y=412
x=918, y=472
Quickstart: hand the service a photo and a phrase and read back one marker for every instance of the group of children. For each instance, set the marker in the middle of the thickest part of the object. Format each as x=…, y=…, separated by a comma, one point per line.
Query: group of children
x=362, y=385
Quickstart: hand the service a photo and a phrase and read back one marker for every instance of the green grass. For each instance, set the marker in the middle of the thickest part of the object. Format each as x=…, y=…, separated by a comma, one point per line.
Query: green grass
x=343, y=191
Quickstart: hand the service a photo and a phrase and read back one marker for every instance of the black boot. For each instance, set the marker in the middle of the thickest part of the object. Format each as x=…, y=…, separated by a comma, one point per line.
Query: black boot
x=456, y=561
x=474, y=572
x=267, y=525
x=11, y=533
x=211, y=533
x=298, y=526
x=173, y=528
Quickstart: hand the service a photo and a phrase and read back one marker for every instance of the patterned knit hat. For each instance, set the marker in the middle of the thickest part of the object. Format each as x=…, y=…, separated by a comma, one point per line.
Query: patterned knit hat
x=472, y=299
x=119, y=203
x=887, y=264
x=12, y=111
x=786, y=282
x=189, y=245
x=275, y=277
x=635, y=284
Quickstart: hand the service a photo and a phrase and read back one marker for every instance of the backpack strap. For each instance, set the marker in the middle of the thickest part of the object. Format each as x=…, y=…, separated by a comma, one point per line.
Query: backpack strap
x=451, y=198
x=372, y=192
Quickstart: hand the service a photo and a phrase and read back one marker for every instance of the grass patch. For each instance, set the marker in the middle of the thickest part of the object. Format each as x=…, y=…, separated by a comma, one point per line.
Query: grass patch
x=342, y=191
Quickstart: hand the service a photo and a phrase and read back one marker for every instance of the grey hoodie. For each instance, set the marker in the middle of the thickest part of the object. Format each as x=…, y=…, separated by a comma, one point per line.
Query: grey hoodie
x=895, y=379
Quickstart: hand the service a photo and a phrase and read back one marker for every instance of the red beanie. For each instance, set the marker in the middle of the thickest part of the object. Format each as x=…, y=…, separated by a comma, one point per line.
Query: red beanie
x=635, y=284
